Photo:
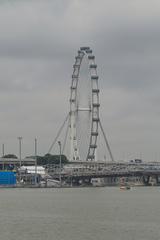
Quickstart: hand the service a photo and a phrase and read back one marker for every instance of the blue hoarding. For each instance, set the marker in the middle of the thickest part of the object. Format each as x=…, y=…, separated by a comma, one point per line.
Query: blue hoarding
x=7, y=178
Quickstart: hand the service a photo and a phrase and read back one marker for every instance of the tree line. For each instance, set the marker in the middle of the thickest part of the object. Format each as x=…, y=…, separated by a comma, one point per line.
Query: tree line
x=44, y=160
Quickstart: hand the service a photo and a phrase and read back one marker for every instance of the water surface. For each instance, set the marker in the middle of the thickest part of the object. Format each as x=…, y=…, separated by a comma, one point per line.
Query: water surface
x=80, y=213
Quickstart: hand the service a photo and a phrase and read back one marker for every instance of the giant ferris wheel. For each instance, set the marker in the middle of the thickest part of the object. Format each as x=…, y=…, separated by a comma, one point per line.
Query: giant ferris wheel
x=83, y=118
x=84, y=107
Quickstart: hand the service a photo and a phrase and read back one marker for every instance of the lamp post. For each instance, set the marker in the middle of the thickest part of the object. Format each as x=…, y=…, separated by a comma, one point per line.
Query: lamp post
x=20, y=156
x=3, y=150
x=3, y=154
x=60, y=163
x=35, y=147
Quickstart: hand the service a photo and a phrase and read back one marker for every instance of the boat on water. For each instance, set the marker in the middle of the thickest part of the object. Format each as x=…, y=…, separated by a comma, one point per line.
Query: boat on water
x=127, y=187
x=124, y=185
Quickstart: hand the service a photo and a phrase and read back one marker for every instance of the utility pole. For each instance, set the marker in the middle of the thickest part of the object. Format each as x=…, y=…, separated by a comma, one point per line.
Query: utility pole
x=3, y=154
x=60, y=163
x=35, y=147
x=3, y=150
x=20, y=157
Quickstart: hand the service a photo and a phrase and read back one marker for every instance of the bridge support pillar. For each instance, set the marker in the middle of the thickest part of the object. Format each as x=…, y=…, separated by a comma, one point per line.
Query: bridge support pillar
x=157, y=180
x=80, y=181
x=146, y=180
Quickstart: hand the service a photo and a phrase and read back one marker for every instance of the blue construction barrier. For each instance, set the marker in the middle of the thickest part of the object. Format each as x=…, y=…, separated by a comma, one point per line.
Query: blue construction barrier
x=7, y=178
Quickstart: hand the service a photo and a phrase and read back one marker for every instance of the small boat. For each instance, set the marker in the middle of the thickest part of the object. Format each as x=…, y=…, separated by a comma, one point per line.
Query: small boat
x=124, y=185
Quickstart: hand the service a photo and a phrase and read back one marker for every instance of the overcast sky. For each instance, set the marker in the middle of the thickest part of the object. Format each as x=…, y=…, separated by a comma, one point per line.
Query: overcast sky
x=38, y=43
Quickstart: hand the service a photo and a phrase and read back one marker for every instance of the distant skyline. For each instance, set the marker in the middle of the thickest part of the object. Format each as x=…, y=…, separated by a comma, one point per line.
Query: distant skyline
x=38, y=43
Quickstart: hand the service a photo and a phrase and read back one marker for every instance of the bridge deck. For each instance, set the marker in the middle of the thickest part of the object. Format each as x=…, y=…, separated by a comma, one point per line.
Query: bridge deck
x=102, y=170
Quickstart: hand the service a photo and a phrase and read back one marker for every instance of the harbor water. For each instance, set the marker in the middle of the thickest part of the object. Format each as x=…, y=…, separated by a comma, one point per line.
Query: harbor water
x=106, y=213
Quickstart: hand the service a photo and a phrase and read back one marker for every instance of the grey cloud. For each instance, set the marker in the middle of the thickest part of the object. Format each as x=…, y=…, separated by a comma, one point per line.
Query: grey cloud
x=131, y=58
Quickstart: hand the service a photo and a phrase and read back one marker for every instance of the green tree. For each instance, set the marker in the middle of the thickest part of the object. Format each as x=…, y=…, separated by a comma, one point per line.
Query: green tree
x=10, y=156
x=50, y=159
x=55, y=159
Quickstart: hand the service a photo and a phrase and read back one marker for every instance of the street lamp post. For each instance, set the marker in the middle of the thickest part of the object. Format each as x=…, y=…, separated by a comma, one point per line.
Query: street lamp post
x=60, y=163
x=20, y=157
x=3, y=154
x=3, y=150
x=35, y=161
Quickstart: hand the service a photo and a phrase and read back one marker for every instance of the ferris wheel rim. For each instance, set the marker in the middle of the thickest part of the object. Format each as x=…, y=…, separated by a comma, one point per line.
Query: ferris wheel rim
x=94, y=108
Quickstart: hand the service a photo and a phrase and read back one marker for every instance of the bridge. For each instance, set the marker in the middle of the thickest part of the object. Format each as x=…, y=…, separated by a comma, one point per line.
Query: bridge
x=87, y=171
